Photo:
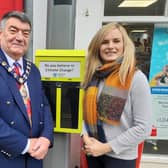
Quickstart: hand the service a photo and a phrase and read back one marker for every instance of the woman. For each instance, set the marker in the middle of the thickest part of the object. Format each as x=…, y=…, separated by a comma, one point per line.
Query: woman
x=117, y=101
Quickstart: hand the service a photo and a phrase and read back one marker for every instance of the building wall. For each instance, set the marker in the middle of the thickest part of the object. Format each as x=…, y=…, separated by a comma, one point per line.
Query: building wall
x=88, y=21
x=154, y=161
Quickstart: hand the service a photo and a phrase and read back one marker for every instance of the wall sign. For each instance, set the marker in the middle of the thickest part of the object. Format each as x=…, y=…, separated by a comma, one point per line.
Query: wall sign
x=60, y=69
x=159, y=81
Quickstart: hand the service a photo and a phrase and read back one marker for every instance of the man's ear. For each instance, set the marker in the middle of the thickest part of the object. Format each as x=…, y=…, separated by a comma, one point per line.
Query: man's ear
x=0, y=30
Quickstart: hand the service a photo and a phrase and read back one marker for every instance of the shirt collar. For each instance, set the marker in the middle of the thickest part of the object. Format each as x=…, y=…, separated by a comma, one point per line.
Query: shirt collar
x=11, y=60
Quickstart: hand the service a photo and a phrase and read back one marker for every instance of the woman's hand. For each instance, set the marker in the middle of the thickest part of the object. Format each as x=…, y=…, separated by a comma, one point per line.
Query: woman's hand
x=94, y=147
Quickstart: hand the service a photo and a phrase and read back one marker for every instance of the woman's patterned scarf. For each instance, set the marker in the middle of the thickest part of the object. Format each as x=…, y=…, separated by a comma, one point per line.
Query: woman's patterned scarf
x=106, y=105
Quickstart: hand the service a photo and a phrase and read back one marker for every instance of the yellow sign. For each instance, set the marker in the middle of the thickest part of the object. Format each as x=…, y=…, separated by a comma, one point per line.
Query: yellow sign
x=61, y=65
x=62, y=71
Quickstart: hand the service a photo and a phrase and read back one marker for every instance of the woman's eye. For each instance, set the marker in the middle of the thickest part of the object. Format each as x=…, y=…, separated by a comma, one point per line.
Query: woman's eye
x=105, y=42
x=116, y=40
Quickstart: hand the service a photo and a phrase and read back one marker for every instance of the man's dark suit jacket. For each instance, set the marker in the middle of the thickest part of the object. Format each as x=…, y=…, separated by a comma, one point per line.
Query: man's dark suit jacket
x=14, y=123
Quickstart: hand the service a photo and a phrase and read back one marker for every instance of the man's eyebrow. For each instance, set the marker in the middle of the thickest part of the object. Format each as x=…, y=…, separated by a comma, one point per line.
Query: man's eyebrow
x=19, y=28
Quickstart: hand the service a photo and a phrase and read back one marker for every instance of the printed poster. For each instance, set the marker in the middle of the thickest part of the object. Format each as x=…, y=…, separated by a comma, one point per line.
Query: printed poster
x=159, y=81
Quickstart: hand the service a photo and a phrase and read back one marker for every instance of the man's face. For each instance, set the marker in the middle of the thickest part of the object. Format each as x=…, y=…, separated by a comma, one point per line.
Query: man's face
x=14, y=38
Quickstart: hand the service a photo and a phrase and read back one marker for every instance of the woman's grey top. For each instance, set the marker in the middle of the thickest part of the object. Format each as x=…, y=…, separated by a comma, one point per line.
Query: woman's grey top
x=136, y=121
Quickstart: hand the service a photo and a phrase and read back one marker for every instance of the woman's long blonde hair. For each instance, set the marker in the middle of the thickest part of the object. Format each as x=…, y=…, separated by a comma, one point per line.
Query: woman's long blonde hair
x=93, y=59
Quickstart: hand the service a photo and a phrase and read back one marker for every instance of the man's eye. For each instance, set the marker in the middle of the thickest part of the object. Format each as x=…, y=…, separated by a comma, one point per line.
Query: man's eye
x=13, y=31
x=26, y=33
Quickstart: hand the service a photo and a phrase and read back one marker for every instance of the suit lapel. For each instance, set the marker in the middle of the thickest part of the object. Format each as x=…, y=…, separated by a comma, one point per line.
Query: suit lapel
x=17, y=96
x=11, y=82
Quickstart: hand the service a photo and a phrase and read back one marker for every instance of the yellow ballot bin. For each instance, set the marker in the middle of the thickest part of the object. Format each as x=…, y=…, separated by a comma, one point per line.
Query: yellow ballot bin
x=62, y=71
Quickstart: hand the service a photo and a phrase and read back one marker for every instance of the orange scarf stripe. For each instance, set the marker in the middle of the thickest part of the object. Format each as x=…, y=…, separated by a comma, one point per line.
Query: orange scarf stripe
x=89, y=106
x=116, y=81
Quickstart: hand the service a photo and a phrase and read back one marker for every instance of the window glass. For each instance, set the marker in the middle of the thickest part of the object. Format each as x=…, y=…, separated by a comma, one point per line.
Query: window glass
x=112, y=9
x=143, y=37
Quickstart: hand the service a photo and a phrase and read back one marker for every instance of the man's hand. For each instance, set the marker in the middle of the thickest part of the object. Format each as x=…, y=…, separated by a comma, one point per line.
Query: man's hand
x=32, y=144
x=40, y=148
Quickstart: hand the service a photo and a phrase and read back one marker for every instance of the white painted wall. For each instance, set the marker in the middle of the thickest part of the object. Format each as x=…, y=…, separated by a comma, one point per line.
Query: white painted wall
x=154, y=161
x=39, y=24
x=89, y=15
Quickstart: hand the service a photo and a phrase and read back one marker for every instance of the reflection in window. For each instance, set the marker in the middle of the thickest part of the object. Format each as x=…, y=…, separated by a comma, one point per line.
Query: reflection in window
x=69, y=107
x=50, y=92
x=112, y=9
x=142, y=36
x=154, y=146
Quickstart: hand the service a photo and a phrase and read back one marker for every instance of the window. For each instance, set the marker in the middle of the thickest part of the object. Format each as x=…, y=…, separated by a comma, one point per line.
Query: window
x=111, y=9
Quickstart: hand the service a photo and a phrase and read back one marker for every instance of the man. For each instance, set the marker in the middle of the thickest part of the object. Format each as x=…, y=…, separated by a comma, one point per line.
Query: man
x=26, y=126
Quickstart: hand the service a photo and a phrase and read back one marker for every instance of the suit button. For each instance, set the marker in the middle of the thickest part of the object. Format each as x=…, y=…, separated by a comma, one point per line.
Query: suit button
x=42, y=105
x=12, y=122
x=8, y=102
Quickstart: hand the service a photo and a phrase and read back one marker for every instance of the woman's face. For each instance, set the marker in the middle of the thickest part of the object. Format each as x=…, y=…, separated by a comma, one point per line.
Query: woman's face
x=112, y=46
